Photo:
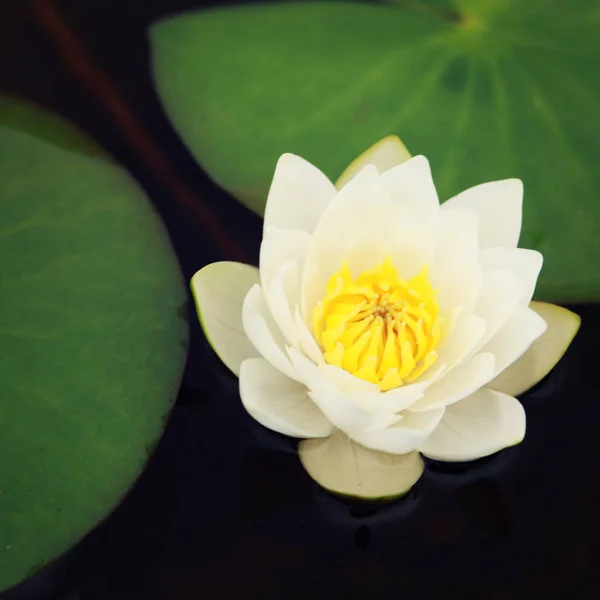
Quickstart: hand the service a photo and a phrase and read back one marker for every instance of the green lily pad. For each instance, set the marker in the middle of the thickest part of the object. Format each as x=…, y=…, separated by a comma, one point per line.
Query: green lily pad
x=91, y=334
x=486, y=89
x=20, y=116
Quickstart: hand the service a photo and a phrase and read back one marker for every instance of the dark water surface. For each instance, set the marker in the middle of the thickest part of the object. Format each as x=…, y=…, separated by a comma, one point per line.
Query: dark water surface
x=224, y=509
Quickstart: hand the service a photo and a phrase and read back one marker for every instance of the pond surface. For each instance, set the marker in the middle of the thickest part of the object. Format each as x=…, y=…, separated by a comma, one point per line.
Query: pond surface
x=224, y=509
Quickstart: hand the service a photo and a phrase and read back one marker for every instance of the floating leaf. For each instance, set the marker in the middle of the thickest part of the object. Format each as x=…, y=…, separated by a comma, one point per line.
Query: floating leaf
x=486, y=89
x=92, y=334
x=20, y=117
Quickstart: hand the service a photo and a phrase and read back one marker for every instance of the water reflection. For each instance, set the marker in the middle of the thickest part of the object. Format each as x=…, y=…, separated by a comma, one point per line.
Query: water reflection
x=485, y=502
x=463, y=473
x=356, y=514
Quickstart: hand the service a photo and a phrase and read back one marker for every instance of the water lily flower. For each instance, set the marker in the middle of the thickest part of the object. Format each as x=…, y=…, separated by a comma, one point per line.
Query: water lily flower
x=382, y=325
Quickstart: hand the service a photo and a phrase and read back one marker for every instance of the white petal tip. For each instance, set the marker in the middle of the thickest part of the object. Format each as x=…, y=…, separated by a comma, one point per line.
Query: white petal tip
x=347, y=469
x=289, y=158
x=511, y=187
x=421, y=163
x=289, y=163
x=514, y=189
x=499, y=205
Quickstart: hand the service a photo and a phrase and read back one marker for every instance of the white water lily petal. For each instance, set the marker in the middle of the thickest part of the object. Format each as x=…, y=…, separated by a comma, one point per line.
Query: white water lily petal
x=337, y=406
x=499, y=205
x=368, y=396
x=458, y=383
x=298, y=195
x=404, y=436
x=343, y=467
x=456, y=236
x=522, y=328
x=525, y=264
x=411, y=183
x=449, y=318
x=308, y=344
x=399, y=236
x=263, y=333
x=500, y=295
x=362, y=207
x=280, y=296
x=394, y=400
x=459, y=282
x=356, y=202
x=477, y=426
x=460, y=343
x=279, y=403
x=349, y=417
x=346, y=382
x=365, y=395
x=219, y=290
x=280, y=246
x=384, y=154
x=543, y=354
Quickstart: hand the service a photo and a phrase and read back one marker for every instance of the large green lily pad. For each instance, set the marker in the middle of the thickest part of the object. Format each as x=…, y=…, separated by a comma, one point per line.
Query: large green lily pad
x=486, y=89
x=92, y=337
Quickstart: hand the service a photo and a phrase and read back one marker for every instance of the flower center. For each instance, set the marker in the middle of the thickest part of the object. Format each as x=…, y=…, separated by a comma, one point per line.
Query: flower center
x=379, y=327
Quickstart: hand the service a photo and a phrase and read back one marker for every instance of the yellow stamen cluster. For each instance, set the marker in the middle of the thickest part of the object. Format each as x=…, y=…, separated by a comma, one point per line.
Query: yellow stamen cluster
x=379, y=327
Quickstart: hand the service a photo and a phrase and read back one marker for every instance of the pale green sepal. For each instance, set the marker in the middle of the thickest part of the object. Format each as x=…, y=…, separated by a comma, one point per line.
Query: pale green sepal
x=219, y=290
x=384, y=154
x=543, y=354
x=346, y=468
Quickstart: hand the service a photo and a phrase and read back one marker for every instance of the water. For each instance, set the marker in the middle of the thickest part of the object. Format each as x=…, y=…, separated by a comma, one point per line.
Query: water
x=224, y=509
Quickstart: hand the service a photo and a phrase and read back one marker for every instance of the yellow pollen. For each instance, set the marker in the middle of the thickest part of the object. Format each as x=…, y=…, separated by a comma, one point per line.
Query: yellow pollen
x=379, y=327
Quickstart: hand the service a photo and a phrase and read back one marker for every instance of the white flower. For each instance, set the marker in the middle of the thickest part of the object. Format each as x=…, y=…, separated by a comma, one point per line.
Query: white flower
x=382, y=324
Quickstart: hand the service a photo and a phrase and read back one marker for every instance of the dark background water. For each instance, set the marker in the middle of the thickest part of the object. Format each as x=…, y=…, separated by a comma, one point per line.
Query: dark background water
x=224, y=509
